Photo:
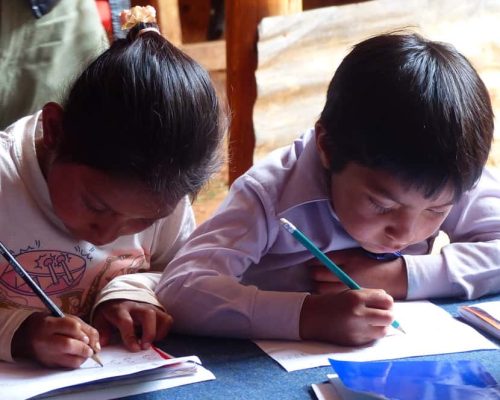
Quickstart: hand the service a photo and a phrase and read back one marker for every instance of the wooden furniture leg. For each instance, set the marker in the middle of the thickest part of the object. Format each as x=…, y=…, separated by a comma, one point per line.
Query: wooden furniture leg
x=242, y=19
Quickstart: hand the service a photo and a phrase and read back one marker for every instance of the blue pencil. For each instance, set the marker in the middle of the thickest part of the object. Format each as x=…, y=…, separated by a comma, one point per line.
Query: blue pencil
x=316, y=252
x=56, y=312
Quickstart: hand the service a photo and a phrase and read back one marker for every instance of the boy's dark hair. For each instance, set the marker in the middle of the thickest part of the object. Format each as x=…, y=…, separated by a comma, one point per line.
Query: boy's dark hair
x=145, y=111
x=410, y=106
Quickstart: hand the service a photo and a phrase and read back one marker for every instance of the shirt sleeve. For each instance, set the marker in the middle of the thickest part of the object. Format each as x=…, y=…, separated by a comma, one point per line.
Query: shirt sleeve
x=470, y=265
x=201, y=287
x=10, y=321
x=171, y=234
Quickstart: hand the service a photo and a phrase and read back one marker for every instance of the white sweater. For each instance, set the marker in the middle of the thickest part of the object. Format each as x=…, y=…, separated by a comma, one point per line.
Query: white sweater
x=75, y=274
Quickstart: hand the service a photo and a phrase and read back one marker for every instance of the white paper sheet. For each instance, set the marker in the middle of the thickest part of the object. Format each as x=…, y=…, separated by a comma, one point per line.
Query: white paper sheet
x=24, y=380
x=429, y=330
x=335, y=390
x=325, y=391
x=142, y=385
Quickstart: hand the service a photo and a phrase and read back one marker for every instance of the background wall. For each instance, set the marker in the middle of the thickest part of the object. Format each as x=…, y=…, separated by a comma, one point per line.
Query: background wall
x=298, y=54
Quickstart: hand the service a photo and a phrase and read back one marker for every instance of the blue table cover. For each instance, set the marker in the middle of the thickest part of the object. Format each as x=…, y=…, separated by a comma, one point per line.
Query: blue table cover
x=243, y=371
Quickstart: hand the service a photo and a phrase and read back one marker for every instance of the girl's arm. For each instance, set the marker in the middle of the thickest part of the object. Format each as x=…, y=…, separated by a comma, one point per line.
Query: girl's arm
x=129, y=302
x=10, y=321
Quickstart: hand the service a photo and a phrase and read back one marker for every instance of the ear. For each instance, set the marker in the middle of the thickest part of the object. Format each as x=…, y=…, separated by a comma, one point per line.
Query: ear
x=321, y=145
x=52, y=116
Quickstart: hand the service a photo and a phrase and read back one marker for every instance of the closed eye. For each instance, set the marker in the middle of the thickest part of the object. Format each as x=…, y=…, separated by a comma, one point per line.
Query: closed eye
x=438, y=212
x=95, y=208
x=380, y=209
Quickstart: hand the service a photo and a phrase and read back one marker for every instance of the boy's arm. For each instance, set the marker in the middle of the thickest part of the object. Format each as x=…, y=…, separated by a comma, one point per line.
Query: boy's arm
x=470, y=265
x=201, y=287
x=10, y=321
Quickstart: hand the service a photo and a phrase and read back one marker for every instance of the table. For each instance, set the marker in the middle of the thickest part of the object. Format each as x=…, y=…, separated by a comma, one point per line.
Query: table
x=243, y=371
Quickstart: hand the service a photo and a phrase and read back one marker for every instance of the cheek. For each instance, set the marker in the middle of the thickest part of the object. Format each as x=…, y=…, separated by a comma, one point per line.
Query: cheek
x=68, y=212
x=427, y=227
x=65, y=205
x=359, y=224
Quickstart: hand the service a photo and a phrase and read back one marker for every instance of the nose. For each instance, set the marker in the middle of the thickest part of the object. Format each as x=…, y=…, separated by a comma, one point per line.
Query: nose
x=105, y=230
x=401, y=229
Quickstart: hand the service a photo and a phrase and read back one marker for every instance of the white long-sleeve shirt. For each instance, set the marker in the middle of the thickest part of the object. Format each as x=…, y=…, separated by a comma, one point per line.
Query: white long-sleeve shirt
x=75, y=274
x=241, y=274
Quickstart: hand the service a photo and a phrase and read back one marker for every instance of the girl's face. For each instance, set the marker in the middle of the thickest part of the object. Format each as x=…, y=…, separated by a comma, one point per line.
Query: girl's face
x=92, y=205
x=380, y=213
x=99, y=209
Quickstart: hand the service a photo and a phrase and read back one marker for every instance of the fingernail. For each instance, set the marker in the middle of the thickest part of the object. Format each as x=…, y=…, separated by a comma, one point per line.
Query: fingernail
x=98, y=346
x=90, y=352
x=86, y=339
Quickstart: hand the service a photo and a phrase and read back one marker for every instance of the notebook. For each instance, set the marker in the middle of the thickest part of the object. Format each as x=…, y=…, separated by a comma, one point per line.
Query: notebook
x=25, y=380
x=429, y=330
x=484, y=316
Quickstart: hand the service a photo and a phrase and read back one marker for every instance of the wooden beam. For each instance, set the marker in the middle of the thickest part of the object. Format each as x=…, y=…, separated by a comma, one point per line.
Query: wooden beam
x=211, y=55
x=242, y=19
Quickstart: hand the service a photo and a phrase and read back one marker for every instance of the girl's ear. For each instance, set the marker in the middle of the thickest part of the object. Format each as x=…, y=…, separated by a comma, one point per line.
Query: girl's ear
x=321, y=145
x=52, y=116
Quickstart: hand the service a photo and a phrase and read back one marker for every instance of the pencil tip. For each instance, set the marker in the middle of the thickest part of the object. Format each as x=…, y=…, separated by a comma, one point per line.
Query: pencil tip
x=401, y=329
x=96, y=358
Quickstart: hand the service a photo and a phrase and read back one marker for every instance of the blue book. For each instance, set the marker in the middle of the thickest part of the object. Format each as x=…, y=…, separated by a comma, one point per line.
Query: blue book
x=415, y=380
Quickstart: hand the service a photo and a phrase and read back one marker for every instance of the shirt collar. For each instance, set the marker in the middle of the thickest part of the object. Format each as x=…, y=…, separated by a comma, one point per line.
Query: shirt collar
x=308, y=180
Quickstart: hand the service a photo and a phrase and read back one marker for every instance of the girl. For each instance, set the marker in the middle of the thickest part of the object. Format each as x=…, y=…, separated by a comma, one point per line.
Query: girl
x=96, y=190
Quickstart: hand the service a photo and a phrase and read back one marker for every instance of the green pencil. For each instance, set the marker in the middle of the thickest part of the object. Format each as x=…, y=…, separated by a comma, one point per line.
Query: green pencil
x=316, y=252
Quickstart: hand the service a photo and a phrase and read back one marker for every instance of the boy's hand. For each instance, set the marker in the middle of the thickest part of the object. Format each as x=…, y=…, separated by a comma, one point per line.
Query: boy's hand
x=351, y=318
x=55, y=342
x=367, y=272
x=139, y=324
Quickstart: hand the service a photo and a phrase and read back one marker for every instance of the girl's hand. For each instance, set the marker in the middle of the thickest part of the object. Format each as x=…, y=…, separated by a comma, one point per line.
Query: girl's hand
x=351, y=318
x=55, y=342
x=139, y=324
x=367, y=272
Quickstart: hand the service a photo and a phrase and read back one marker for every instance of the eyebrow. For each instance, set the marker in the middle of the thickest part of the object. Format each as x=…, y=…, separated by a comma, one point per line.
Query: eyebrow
x=384, y=192
x=158, y=213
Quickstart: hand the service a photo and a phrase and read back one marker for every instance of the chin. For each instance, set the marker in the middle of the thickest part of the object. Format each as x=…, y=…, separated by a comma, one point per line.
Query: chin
x=98, y=243
x=93, y=240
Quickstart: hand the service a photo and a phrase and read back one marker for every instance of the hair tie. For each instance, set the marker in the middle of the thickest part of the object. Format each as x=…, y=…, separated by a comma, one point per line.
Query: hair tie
x=137, y=15
x=150, y=29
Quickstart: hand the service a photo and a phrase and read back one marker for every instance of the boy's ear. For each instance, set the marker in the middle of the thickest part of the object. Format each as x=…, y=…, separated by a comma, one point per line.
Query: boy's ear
x=321, y=145
x=52, y=116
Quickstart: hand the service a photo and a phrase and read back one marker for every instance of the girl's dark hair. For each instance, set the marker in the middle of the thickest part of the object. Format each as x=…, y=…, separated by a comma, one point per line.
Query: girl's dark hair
x=145, y=111
x=413, y=107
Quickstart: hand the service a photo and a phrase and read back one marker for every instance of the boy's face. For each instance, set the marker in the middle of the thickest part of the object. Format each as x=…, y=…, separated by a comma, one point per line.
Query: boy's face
x=380, y=213
x=99, y=209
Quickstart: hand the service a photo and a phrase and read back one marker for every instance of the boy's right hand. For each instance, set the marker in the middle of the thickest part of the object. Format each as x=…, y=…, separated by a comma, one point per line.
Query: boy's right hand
x=55, y=342
x=351, y=318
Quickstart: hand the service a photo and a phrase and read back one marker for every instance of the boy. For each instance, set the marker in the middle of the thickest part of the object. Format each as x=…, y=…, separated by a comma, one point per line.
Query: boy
x=397, y=155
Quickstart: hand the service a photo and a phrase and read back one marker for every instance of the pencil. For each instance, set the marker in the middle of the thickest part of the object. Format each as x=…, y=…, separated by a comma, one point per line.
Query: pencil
x=56, y=312
x=316, y=252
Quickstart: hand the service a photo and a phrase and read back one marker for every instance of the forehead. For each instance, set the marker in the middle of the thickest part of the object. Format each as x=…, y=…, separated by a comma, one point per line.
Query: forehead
x=383, y=183
x=127, y=197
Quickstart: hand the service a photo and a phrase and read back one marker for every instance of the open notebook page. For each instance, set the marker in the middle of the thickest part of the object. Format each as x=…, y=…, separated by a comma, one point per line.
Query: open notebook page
x=429, y=330
x=23, y=380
